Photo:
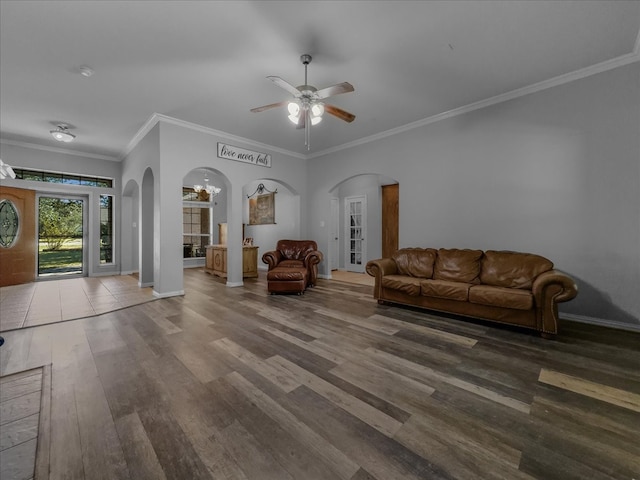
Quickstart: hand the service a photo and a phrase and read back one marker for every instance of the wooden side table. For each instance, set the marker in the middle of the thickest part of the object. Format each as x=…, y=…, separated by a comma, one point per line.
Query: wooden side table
x=216, y=261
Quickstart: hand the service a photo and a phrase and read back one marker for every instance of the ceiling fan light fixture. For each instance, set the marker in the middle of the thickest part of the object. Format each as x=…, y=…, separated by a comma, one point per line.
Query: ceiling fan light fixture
x=62, y=134
x=317, y=109
x=294, y=111
x=293, y=108
x=315, y=120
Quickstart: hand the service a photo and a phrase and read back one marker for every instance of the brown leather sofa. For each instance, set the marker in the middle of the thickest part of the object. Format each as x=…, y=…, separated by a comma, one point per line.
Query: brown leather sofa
x=510, y=287
x=293, y=266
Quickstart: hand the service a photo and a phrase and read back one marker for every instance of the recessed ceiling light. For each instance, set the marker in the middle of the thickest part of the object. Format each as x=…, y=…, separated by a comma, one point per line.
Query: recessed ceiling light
x=62, y=133
x=86, y=71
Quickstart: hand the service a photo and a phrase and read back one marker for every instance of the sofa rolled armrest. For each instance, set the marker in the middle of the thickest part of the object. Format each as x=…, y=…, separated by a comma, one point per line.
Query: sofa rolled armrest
x=549, y=289
x=378, y=269
x=311, y=261
x=272, y=258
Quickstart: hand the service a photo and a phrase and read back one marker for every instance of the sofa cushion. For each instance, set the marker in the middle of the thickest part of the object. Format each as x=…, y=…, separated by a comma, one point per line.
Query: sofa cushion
x=501, y=297
x=512, y=269
x=415, y=262
x=457, y=265
x=445, y=289
x=402, y=283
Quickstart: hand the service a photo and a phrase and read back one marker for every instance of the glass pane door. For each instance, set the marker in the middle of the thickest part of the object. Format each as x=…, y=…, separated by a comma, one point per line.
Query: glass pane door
x=355, y=215
x=60, y=236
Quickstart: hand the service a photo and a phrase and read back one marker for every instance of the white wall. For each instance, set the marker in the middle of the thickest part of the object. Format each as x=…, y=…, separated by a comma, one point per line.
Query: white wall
x=145, y=156
x=555, y=173
x=182, y=150
x=287, y=216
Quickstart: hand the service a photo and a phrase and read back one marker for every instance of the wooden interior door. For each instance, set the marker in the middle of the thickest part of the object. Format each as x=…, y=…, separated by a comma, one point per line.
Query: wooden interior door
x=18, y=261
x=390, y=214
x=334, y=238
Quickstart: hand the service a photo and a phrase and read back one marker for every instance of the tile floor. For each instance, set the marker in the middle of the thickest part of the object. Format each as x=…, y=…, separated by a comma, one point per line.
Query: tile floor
x=50, y=301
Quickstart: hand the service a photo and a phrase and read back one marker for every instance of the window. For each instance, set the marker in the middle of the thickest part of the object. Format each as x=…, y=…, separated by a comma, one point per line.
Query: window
x=65, y=178
x=196, y=224
x=106, y=229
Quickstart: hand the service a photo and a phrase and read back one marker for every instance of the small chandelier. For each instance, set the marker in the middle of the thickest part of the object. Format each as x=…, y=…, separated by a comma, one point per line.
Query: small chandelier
x=211, y=190
x=62, y=133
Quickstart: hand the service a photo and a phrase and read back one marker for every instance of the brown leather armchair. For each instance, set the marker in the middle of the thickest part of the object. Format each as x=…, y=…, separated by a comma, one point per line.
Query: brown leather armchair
x=293, y=261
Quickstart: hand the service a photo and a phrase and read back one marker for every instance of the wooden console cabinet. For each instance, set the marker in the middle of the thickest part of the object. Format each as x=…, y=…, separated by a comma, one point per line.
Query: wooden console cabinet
x=216, y=261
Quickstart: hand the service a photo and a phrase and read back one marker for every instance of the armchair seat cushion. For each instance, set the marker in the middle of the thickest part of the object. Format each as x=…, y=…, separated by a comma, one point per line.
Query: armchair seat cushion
x=501, y=297
x=291, y=263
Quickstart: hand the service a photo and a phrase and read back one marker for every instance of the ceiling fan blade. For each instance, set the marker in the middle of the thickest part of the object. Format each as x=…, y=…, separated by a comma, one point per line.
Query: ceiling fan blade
x=267, y=107
x=344, y=87
x=287, y=86
x=341, y=114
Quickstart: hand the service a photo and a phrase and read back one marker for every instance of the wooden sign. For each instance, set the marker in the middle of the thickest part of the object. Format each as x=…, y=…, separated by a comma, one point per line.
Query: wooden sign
x=242, y=155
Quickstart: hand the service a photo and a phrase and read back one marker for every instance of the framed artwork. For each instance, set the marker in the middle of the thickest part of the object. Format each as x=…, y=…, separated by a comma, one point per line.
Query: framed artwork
x=248, y=242
x=262, y=209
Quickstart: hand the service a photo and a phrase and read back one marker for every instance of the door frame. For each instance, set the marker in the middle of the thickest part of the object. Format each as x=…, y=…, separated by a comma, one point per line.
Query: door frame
x=85, y=234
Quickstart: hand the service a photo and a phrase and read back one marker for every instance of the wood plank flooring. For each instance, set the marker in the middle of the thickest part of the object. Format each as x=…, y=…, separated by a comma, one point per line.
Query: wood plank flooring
x=24, y=423
x=232, y=383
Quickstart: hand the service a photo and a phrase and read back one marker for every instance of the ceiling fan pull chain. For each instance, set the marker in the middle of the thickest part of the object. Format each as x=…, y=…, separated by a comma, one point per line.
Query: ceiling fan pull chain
x=307, y=130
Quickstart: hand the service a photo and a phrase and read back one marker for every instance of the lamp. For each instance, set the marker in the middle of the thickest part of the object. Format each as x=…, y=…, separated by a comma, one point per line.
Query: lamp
x=6, y=171
x=62, y=133
x=211, y=190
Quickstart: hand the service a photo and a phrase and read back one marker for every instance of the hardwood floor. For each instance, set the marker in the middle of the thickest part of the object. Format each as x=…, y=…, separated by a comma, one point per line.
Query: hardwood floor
x=232, y=383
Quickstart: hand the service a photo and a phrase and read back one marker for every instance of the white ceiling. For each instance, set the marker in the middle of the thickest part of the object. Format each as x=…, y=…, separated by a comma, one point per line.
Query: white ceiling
x=205, y=62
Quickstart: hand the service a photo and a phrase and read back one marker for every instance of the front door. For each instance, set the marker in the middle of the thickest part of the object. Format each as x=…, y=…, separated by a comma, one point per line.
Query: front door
x=17, y=236
x=356, y=226
x=61, y=235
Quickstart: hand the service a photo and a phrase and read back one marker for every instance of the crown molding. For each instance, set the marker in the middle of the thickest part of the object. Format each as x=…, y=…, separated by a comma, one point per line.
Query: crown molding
x=504, y=97
x=64, y=151
x=159, y=117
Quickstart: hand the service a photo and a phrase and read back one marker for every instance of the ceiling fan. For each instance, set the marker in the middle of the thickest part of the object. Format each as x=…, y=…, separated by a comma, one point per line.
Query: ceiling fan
x=307, y=107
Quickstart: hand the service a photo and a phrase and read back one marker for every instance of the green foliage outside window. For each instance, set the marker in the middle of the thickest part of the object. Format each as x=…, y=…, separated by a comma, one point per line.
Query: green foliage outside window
x=60, y=221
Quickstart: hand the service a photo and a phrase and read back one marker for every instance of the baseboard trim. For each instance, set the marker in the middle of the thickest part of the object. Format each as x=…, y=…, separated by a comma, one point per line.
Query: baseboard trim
x=325, y=276
x=128, y=272
x=600, y=322
x=145, y=284
x=234, y=284
x=177, y=293
x=103, y=274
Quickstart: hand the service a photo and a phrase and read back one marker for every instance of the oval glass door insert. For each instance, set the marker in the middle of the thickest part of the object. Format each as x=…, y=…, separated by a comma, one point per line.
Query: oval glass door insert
x=9, y=223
